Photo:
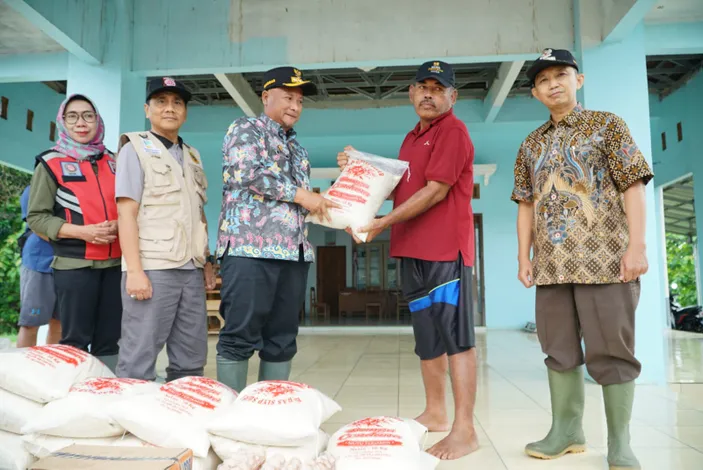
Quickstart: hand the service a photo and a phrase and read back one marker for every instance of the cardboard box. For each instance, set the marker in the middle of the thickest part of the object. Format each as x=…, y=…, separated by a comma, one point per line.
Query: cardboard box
x=78, y=457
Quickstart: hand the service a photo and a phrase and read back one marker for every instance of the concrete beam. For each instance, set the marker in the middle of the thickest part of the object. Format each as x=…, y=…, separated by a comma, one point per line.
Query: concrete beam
x=507, y=74
x=74, y=24
x=242, y=93
x=238, y=36
x=674, y=39
x=622, y=16
x=33, y=67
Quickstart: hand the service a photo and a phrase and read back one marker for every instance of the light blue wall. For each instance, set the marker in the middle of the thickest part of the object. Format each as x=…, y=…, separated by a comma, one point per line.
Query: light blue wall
x=20, y=146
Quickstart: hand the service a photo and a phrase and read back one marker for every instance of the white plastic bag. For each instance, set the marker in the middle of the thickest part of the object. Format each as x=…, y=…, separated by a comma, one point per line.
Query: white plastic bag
x=381, y=443
x=178, y=415
x=16, y=411
x=361, y=189
x=275, y=413
x=227, y=449
x=85, y=411
x=41, y=446
x=13, y=455
x=47, y=373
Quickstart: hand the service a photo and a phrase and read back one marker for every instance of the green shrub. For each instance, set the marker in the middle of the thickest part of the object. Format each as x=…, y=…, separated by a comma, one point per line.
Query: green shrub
x=11, y=227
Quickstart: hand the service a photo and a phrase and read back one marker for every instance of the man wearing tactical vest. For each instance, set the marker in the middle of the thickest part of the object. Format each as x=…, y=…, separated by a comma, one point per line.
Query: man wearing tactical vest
x=160, y=189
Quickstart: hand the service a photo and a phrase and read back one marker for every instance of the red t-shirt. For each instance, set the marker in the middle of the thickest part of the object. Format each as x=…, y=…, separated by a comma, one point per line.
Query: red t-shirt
x=444, y=153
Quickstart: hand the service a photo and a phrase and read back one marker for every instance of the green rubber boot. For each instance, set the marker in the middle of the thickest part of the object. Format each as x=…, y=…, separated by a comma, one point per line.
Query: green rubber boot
x=232, y=373
x=566, y=435
x=274, y=370
x=109, y=361
x=618, y=410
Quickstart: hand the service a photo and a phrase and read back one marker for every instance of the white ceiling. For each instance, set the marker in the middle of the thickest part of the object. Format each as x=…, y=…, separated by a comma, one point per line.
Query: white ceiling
x=19, y=36
x=676, y=11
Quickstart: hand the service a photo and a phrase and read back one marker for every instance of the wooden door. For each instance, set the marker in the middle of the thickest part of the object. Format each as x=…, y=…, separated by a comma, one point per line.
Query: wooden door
x=331, y=276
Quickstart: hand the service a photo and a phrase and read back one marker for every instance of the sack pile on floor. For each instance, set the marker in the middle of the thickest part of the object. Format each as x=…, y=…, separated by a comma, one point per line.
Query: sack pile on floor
x=29, y=379
x=283, y=418
x=52, y=397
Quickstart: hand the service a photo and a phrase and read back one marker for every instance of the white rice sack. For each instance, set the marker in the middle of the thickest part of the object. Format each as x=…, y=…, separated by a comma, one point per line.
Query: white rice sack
x=85, y=411
x=227, y=449
x=16, y=411
x=361, y=189
x=47, y=373
x=13, y=455
x=381, y=443
x=275, y=413
x=41, y=446
x=178, y=414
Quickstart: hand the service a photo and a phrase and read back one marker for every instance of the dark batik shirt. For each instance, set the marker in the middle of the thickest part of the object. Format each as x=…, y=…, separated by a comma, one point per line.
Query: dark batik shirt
x=575, y=173
x=263, y=166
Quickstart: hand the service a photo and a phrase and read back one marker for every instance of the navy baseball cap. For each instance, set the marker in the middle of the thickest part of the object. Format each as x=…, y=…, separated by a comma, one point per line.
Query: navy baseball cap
x=550, y=58
x=288, y=77
x=440, y=71
x=159, y=84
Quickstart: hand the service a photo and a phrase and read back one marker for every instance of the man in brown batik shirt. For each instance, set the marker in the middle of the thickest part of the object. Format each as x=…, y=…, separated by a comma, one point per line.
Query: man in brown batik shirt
x=579, y=182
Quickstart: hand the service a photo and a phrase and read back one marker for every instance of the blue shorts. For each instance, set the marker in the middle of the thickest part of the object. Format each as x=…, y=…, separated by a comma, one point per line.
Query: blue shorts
x=440, y=298
x=37, y=298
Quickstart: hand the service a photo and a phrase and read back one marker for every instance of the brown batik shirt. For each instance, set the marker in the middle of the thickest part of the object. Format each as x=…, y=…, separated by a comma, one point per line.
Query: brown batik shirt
x=575, y=173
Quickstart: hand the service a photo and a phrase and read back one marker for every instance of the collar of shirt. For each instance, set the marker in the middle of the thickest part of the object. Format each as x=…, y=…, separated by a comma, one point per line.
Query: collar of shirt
x=417, y=132
x=275, y=128
x=570, y=119
x=167, y=143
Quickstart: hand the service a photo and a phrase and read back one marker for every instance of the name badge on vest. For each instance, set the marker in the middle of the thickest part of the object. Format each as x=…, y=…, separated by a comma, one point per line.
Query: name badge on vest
x=70, y=169
x=113, y=166
x=149, y=147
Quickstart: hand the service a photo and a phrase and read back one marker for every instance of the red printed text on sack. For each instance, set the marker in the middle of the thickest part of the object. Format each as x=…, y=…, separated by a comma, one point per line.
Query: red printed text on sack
x=55, y=355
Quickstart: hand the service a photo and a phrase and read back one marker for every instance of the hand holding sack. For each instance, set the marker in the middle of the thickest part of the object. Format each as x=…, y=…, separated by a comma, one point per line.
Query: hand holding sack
x=178, y=415
x=85, y=411
x=275, y=413
x=365, y=183
x=381, y=443
x=47, y=373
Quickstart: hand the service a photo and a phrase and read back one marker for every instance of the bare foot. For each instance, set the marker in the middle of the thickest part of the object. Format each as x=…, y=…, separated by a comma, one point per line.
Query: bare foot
x=457, y=444
x=434, y=422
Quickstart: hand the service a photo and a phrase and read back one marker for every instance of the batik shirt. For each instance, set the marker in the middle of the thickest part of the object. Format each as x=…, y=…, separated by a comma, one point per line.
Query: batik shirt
x=575, y=173
x=263, y=166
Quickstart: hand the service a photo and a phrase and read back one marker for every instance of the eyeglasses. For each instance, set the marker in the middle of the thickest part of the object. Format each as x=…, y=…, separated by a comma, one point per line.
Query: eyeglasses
x=72, y=118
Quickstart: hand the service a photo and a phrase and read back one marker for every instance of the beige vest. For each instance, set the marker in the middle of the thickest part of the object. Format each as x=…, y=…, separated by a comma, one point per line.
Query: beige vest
x=170, y=220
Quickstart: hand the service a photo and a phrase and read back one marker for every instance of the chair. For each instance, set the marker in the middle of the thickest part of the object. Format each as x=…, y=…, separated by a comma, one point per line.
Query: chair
x=317, y=308
x=372, y=305
x=214, y=320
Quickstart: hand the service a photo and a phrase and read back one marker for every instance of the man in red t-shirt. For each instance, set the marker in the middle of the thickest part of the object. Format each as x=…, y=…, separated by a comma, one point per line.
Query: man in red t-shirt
x=433, y=235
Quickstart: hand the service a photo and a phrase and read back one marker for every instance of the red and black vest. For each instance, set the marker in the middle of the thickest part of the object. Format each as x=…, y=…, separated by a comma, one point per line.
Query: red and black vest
x=84, y=197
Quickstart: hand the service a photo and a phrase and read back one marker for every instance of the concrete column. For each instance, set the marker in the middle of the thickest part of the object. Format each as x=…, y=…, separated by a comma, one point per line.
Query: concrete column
x=118, y=92
x=616, y=81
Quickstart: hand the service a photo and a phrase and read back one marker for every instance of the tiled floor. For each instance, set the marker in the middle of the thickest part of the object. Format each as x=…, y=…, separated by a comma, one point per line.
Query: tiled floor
x=379, y=375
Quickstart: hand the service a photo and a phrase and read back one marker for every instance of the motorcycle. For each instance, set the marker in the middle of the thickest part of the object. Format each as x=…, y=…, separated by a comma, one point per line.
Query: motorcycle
x=687, y=318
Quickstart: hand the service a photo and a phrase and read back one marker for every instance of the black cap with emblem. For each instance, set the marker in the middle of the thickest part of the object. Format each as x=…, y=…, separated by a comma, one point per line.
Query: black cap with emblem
x=288, y=77
x=159, y=84
x=550, y=58
x=440, y=71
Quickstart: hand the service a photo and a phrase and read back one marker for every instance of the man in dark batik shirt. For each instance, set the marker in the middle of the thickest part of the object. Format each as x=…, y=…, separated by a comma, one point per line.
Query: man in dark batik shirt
x=579, y=182
x=262, y=238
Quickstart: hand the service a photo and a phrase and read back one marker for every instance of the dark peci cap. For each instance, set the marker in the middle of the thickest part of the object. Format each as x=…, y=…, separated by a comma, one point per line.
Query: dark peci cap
x=550, y=58
x=159, y=84
x=440, y=71
x=288, y=77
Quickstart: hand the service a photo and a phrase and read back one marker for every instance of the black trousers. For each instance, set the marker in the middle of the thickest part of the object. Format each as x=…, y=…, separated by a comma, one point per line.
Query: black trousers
x=91, y=307
x=261, y=300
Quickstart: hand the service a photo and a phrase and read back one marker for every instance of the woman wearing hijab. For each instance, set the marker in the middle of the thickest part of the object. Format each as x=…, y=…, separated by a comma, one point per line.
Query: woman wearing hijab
x=72, y=203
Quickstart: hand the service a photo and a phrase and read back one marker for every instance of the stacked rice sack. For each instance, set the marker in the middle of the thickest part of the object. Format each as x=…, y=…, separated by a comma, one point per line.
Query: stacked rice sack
x=274, y=423
x=381, y=443
x=29, y=379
